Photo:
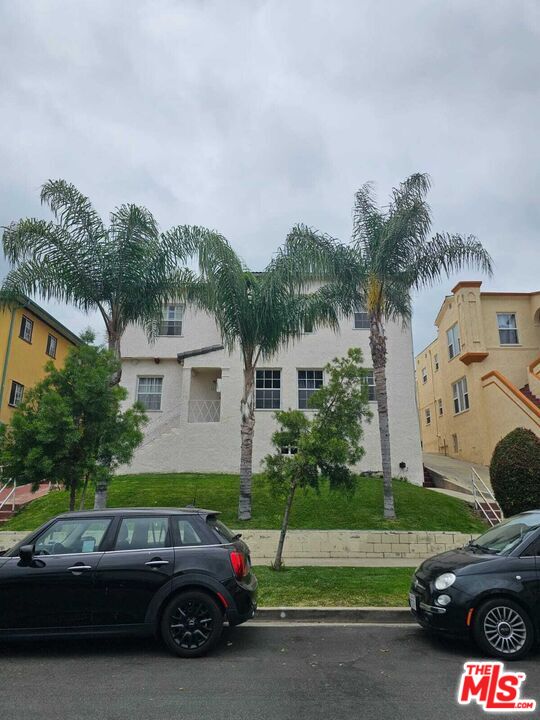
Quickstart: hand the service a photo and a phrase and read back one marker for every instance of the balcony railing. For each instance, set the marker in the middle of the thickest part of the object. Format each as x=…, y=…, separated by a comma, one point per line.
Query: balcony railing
x=203, y=411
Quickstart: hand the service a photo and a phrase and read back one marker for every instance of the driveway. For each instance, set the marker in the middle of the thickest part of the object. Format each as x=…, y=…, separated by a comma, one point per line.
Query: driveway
x=258, y=673
x=457, y=471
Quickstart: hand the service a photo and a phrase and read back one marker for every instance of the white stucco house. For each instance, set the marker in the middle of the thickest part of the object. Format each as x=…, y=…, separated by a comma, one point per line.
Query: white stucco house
x=191, y=388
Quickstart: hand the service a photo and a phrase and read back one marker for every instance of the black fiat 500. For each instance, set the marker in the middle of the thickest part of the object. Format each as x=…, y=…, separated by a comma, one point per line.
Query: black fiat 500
x=179, y=574
x=488, y=590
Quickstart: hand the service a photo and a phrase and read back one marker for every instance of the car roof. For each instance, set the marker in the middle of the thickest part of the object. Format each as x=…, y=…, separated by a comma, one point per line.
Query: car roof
x=140, y=510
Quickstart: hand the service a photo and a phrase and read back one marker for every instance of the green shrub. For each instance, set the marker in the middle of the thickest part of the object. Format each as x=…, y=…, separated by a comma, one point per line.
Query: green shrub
x=515, y=472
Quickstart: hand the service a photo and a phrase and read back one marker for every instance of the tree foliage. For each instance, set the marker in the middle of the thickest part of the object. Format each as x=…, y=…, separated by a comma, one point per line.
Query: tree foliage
x=515, y=472
x=70, y=426
x=325, y=445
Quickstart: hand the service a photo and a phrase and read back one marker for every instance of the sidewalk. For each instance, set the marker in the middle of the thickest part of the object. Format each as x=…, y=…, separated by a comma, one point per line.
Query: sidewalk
x=456, y=471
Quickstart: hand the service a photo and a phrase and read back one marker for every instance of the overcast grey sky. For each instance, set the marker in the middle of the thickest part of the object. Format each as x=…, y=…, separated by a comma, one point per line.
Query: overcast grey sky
x=250, y=116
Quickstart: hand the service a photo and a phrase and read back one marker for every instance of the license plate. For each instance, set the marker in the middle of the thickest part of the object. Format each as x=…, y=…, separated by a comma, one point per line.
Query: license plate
x=413, y=601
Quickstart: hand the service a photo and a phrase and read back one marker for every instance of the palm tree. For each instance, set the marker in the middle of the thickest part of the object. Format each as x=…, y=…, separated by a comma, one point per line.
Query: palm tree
x=259, y=313
x=392, y=254
x=125, y=271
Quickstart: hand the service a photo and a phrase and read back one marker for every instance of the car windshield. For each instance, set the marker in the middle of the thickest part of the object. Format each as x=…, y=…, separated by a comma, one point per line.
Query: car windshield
x=503, y=538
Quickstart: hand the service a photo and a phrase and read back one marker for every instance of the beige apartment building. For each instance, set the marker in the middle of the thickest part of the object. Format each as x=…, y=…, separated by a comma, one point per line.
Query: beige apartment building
x=480, y=378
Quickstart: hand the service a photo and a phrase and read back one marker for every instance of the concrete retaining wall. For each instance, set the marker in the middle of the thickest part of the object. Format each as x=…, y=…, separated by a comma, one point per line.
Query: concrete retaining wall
x=333, y=546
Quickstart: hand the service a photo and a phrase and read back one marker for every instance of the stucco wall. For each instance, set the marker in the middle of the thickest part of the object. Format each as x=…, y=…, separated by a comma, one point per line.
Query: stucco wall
x=175, y=445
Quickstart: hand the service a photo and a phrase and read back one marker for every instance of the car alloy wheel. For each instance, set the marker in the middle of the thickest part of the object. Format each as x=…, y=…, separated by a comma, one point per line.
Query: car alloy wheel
x=503, y=629
x=191, y=623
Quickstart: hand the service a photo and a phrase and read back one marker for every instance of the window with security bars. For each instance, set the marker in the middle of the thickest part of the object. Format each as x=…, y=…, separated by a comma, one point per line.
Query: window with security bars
x=507, y=325
x=172, y=320
x=149, y=391
x=361, y=319
x=369, y=379
x=16, y=394
x=27, y=328
x=268, y=389
x=308, y=382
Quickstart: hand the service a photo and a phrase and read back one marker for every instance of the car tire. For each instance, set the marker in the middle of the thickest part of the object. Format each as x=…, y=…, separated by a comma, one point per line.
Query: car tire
x=503, y=629
x=191, y=624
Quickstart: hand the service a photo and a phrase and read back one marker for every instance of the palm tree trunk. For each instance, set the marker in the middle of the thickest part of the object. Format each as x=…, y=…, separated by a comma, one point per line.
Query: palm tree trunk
x=247, y=430
x=377, y=344
x=278, y=561
x=100, y=496
x=83, y=492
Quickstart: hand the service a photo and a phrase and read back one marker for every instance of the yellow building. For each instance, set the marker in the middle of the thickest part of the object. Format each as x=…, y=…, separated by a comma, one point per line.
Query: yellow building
x=29, y=337
x=480, y=378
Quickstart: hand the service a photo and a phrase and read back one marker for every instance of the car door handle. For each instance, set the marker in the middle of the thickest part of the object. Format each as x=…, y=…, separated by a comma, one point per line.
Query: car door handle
x=79, y=568
x=156, y=563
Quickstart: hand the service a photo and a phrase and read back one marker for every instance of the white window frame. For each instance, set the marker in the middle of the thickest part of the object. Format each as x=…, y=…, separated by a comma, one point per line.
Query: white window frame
x=16, y=394
x=361, y=318
x=150, y=394
x=312, y=384
x=453, y=340
x=507, y=329
x=427, y=414
x=440, y=407
x=436, y=361
x=266, y=400
x=424, y=375
x=49, y=349
x=370, y=382
x=172, y=319
x=27, y=329
x=460, y=394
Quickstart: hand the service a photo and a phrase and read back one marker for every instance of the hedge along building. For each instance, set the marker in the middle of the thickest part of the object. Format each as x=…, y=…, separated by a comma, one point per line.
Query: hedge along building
x=192, y=387
x=29, y=338
x=480, y=378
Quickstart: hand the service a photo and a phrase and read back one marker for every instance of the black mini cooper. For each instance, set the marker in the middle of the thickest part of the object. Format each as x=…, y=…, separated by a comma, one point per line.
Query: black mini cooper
x=177, y=573
x=488, y=590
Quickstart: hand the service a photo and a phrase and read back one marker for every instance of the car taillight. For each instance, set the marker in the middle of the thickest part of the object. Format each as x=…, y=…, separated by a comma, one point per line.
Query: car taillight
x=239, y=564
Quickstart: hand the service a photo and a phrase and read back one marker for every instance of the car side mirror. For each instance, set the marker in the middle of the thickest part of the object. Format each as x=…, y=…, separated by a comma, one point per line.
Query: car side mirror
x=26, y=553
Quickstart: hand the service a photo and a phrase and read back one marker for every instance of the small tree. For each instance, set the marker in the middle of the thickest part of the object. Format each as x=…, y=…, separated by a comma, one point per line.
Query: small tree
x=515, y=471
x=70, y=428
x=324, y=446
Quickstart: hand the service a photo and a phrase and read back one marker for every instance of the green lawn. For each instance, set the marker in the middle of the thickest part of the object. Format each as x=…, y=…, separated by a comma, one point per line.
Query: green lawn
x=331, y=586
x=417, y=508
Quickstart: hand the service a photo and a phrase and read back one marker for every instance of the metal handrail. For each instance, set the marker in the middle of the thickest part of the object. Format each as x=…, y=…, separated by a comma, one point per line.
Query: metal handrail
x=10, y=495
x=487, y=496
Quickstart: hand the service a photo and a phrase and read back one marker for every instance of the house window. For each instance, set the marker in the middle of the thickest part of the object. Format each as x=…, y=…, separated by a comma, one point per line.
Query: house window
x=361, y=319
x=506, y=323
x=308, y=382
x=16, y=394
x=461, y=396
x=27, y=328
x=172, y=319
x=369, y=379
x=52, y=342
x=440, y=406
x=308, y=327
x=149, y=391
x=436, y=361
x=289, y=450
x=454, y=342
x=268, y=389
x=428, y=416
x=424, y=375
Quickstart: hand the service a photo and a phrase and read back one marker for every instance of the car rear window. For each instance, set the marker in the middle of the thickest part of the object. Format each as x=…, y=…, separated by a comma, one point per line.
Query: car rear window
x=222, y=530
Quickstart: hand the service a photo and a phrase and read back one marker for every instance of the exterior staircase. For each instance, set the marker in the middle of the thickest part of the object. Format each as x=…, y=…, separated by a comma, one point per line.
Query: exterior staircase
x=526, y=390
x=428, y=479
x=14, y=497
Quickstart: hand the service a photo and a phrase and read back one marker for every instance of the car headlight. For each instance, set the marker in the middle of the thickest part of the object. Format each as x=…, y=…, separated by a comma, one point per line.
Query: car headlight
x=445, y=580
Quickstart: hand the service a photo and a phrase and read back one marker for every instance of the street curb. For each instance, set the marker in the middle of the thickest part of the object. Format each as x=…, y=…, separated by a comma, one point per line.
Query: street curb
x=336, y=614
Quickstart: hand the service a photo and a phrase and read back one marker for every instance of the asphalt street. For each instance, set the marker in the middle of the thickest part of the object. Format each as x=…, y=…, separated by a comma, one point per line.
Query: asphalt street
x=257, y=673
